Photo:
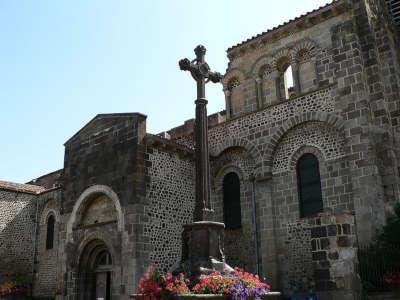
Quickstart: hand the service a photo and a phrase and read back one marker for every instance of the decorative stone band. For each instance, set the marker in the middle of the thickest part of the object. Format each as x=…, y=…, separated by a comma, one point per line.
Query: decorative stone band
x=268, y=296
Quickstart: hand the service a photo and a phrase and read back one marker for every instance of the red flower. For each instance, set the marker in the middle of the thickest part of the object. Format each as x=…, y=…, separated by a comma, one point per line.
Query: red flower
x=392, y=278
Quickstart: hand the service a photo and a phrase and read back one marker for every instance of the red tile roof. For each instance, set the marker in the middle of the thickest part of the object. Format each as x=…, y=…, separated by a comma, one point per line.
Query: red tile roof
x=21, y=187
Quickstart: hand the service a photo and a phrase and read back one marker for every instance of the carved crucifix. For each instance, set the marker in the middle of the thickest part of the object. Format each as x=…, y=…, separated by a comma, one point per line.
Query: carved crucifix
x=201, y=74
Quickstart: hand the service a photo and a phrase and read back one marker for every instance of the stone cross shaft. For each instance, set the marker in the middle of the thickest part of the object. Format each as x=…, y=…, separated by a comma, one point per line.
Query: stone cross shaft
x=201, y=73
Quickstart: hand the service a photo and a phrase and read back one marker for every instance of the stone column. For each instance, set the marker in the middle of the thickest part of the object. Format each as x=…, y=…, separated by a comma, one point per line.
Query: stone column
x=259, y=93
x=296, y=77
x=228, y=105
x=275, y=75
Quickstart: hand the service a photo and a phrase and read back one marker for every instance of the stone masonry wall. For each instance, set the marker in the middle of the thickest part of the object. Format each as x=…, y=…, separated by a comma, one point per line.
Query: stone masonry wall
x=239, y=243
x=90, y=158
x=47, y=282
x=17, y=225
x=170, y=196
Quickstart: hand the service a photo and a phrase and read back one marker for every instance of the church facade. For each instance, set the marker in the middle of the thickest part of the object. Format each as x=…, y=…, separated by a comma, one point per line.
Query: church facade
x=304, y=169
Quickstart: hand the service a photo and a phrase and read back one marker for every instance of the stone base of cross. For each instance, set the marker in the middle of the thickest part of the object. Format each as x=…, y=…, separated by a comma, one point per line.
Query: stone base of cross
x=202, y=249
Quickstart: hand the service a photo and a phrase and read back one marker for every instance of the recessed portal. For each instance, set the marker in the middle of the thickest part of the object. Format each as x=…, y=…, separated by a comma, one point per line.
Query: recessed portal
x=95, y=272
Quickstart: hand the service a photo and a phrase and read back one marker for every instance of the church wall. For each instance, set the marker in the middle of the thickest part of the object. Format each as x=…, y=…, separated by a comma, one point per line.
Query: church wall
x=346, y=113
x=239, y=243
x=170, y=204
x=260, y=65
x=344, y=65
x=106, y=151
x=341, y=101
x=383, y=71
x=294, y=245
x=357, y=101
x=17, y=226
x=105, y=158
x=47, y=277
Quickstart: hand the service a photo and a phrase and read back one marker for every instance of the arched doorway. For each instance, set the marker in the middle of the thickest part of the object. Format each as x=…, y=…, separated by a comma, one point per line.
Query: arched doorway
x=95, y=272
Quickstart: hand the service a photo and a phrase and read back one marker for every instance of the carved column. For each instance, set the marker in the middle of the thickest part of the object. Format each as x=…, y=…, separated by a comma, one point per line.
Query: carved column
x=259, y=93
x=228, y=104
x=296, y=77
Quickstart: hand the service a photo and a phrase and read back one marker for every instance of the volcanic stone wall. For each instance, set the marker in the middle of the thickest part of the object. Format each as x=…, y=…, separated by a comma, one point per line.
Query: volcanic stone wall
x=17, y=227
x=106, y=151
x=170, y=204
x=47, y=282
x=344, y=118
x=240, y=248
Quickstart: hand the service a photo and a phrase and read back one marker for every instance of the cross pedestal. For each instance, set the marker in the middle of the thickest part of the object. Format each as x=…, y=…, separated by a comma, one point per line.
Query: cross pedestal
x=203, y=248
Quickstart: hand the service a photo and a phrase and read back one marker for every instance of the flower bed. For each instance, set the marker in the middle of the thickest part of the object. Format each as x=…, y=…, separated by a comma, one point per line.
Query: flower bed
x=12, y=290
x=236, y=285
x=393, y=279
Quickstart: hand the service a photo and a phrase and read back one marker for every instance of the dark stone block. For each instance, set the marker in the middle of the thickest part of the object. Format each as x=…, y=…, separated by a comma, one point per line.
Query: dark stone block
x=343, y=241
x=333, y=255
x=322, y=274
x=346, y=228
x=317, y=232
x=319, y=255
x=330, y=285
x=345, y=91
x=339, y=58
x=324, y=264
x=314, y=245
x=320, y=285
x=339, y=229
x=324, y=243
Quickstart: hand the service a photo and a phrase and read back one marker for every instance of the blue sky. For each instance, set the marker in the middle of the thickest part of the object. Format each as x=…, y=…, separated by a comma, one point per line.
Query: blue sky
x=63, y=62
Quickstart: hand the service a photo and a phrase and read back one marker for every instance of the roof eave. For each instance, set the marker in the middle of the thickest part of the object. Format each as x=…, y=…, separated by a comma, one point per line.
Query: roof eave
x=302, y=22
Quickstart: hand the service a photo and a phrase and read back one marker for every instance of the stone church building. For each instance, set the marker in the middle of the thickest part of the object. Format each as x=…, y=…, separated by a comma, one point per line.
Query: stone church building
x=304, y=169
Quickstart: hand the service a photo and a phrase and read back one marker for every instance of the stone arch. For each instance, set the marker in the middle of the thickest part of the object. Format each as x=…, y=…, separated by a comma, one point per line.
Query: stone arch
x=327, y=118
x=243, y=143
x=236, y=160
x=261, y=62
x=307, y=45
x=225, y=170
x=95, y=236
x=231, y=74
x=308, y=149
x=85, y=197
x=280, y=56
x=46, y=212
x=91, y=269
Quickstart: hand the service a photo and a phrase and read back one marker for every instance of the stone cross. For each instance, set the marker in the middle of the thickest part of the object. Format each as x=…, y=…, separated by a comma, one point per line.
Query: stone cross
x=201, y=74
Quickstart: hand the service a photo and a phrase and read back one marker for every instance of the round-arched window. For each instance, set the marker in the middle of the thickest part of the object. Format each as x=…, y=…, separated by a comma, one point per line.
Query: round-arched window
x=232, y=210
x=309, y=185
x=50, y=232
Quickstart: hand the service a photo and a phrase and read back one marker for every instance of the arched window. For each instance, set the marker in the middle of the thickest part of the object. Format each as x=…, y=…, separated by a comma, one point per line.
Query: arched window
x=50, y=232
x=309, y=185
x=232, y=210
x=286, y=78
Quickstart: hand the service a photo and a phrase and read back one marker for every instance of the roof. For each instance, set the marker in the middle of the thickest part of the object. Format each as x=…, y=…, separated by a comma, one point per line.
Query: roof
x=21, y=187
x=284, y=24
